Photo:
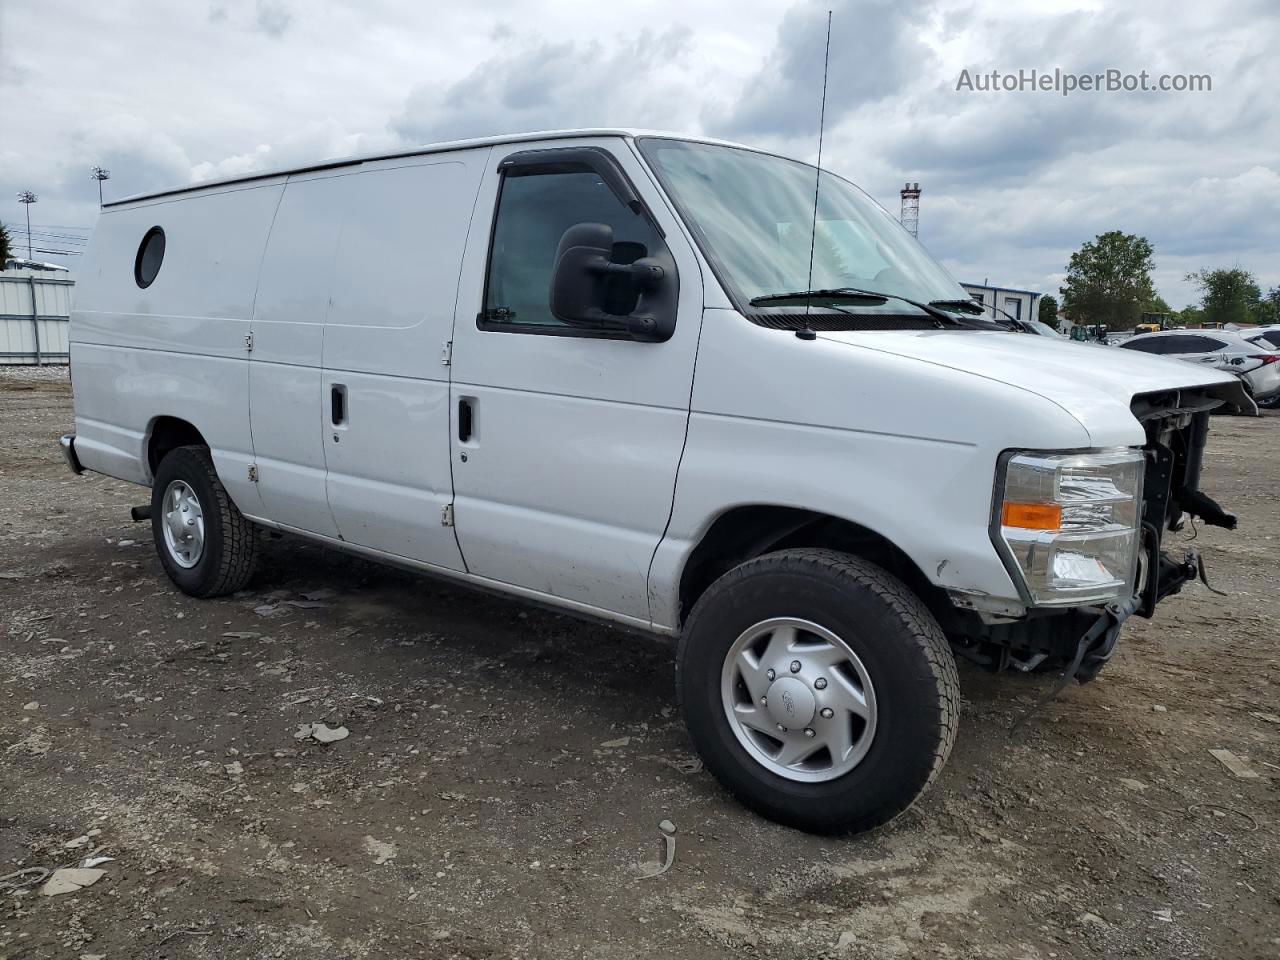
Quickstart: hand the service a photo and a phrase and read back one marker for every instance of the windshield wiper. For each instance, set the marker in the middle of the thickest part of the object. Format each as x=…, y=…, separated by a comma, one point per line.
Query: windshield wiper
x=973, y=308
x=927, y=308
x=872, y=296
x=843, y=293
x=960, y=306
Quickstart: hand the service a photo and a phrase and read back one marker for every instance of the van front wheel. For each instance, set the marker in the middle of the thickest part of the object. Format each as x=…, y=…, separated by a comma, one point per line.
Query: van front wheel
x=206, y=546
x=818, y=689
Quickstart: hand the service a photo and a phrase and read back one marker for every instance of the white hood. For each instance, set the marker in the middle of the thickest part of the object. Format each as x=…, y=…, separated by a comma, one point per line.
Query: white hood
x=1087, y=380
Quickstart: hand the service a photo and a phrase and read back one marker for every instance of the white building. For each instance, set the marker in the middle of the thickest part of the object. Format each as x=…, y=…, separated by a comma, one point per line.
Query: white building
x=1021, y=304
x=35, y=310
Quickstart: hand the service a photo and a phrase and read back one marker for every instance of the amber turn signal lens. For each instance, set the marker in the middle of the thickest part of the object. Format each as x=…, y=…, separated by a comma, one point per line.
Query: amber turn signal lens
x=1032, y=516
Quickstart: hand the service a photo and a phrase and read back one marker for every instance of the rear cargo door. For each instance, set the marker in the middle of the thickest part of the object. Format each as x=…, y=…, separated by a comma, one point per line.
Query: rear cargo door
x=285, y=372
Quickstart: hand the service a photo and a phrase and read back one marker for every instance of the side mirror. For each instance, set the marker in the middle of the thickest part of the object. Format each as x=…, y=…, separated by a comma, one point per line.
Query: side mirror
x=586, y=283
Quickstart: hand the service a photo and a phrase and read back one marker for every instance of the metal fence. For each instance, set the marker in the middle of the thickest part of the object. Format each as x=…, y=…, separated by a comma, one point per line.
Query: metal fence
x=35, y=312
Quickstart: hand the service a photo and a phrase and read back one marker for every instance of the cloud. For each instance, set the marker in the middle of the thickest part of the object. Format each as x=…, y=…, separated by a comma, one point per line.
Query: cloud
x=535, y=83
x=314, y=142
x=273, y=17
x=1013, y=182
x=876, y=50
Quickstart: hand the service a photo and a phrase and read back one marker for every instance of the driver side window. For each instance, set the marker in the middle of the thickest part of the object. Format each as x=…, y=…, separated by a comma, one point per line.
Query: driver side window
x=534, y=211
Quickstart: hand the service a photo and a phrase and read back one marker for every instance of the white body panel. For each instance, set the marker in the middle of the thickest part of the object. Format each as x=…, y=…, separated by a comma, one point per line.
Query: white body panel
x=177, y=347
x=595, y=465
x=898, y=432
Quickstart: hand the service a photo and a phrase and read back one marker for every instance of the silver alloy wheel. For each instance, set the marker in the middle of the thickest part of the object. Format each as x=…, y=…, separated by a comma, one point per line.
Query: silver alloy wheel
x=798, y=699
x=183, y=523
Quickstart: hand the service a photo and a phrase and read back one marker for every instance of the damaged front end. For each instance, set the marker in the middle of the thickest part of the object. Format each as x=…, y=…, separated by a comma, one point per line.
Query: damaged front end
x=1081, y=639
x=1177, y=427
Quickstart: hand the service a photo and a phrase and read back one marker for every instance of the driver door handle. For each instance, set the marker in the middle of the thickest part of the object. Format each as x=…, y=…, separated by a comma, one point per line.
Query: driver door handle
x=338, y=404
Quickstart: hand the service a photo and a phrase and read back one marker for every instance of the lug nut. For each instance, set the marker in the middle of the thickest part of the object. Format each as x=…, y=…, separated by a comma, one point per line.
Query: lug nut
x=820, y=683
x=782, y=728
x=764, y=701
x=771, y=674
x=795, y=666
x=827, y=713
x=808, y=732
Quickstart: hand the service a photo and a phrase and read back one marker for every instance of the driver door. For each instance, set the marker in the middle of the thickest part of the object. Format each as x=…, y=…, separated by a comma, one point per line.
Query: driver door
x=565, y=438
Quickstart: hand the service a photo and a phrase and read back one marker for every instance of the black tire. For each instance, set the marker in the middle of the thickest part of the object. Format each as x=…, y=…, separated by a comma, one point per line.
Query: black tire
x=230, y=542
x=902, y=648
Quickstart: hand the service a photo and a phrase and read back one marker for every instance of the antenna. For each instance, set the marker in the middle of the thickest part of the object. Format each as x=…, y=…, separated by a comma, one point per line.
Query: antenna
x=807, y=332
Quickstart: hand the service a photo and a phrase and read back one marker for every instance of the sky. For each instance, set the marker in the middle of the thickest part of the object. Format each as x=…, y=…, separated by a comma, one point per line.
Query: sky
x=1013, y=181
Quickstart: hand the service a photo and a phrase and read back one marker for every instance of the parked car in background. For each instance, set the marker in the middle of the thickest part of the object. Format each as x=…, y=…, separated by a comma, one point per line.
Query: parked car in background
x=1267, y=338
x=1256, y=362
x=1264, y=336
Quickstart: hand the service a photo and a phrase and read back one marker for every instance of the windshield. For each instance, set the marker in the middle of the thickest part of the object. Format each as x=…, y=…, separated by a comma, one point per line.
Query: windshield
x=753, y=215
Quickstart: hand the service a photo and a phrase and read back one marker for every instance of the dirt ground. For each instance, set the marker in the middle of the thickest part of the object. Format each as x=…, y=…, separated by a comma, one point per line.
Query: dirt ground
x=506, y=771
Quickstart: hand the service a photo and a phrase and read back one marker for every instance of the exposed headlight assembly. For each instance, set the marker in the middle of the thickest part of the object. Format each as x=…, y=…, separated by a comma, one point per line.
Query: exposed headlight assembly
x=1069, y=523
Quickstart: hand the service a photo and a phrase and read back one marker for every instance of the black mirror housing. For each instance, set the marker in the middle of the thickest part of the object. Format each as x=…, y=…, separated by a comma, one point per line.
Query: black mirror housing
x=584, y=270
x=576, y=297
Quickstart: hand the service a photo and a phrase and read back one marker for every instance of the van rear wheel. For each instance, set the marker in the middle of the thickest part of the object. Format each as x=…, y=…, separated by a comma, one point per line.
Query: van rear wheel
x=205, y=544
x=818, y=689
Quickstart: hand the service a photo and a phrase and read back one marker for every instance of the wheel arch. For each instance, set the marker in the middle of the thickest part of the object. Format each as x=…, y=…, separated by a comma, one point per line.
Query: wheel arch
x=747, y=531
x=166, y=433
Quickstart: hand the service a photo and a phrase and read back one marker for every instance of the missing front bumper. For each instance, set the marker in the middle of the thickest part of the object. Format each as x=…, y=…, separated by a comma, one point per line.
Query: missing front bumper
x=1093, y=650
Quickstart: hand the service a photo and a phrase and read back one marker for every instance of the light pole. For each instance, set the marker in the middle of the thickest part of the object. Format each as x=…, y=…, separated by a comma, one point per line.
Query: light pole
x=27, y=198
x=100, y=174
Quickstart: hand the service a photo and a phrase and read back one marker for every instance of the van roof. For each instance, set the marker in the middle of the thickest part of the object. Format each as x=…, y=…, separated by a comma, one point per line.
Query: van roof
x=419, y=151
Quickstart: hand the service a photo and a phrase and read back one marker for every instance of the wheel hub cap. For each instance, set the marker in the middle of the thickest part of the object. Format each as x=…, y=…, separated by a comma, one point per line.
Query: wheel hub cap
x=182, y=521
x=798, y=699
x=791, y=704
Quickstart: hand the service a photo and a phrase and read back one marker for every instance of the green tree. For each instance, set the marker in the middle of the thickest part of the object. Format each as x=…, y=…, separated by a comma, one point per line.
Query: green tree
x=5, y=252
x=1049, y=310
x=1190, y=316
x=1267, y=309
x=1109, y=280
x=1226, y=295
x=1157, y=304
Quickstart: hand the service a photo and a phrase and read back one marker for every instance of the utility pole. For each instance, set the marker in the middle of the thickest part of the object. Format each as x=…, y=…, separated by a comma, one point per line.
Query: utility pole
x=27, y=198
x=100, y=174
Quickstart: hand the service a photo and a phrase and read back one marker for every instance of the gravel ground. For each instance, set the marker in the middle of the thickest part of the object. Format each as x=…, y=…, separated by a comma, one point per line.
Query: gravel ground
x=506, y=769
x=20, y=373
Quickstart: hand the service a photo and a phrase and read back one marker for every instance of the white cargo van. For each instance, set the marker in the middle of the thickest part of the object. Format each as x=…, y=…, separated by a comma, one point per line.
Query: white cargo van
x=597, y=370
